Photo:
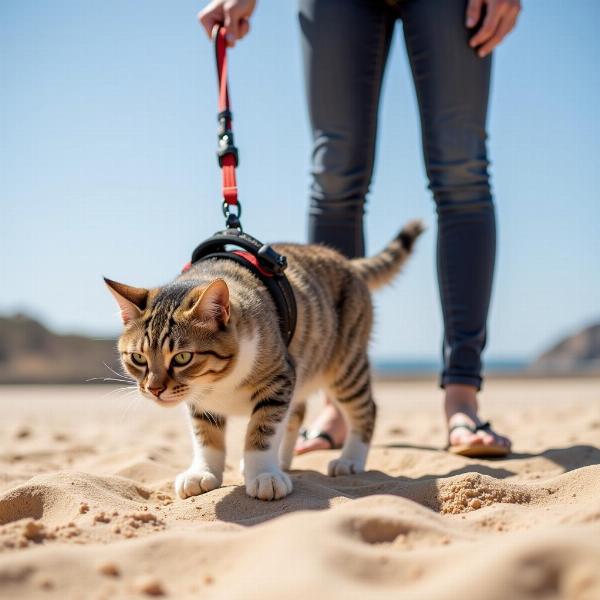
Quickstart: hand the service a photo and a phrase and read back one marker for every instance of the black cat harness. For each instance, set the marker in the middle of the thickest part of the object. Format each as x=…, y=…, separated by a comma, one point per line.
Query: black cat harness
x=232, y=243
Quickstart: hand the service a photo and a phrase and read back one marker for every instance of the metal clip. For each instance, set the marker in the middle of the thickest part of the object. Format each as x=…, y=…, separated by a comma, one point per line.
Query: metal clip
x=232, y=220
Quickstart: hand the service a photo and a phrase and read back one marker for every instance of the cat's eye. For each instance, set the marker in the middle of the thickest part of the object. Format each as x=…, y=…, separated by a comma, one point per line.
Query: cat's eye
x=138, y=359
x=181, y=359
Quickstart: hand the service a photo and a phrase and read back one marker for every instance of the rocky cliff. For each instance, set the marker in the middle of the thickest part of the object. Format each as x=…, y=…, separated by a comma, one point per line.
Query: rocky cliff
x=576, y=354
x=30, y=353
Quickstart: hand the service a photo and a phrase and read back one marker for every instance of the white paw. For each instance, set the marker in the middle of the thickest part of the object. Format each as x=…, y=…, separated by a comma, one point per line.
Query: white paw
x=344, y=466
x=269, y=486
x=193, y=483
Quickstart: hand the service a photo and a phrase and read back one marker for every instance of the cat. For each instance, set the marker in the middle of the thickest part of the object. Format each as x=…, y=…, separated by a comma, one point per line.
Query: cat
x=211, y=339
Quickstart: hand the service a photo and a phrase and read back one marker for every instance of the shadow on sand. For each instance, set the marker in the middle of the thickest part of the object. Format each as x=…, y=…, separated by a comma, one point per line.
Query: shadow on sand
x=315, y=491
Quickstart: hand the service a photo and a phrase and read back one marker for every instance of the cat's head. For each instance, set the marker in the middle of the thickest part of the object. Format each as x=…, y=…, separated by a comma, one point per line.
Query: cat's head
x=176, y=338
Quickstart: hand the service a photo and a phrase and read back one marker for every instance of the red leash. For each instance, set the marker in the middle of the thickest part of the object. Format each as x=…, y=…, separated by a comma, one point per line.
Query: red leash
x=263, y=261
x=227, y=152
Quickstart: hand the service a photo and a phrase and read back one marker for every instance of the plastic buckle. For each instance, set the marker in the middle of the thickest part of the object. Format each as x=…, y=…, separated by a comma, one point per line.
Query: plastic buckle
x=224, y=117
x=226, y=145
x=276, y=262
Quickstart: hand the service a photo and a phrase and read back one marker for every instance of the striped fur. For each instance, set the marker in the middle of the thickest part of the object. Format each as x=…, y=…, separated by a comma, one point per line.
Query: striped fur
x=220, y=317
x=380, y=269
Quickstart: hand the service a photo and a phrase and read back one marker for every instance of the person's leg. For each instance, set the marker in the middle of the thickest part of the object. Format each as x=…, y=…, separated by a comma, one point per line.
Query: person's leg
x=452, y=85
x=345, y=44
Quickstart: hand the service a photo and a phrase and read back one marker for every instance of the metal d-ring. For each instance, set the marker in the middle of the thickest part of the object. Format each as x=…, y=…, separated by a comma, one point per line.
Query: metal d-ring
x=232, y=220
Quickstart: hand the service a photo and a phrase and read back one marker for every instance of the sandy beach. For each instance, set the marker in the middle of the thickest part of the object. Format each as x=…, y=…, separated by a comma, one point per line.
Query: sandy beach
x=87, y=508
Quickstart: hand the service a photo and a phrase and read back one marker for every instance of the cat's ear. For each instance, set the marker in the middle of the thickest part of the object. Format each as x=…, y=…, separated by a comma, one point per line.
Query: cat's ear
x=131, y=300
x=213, y=303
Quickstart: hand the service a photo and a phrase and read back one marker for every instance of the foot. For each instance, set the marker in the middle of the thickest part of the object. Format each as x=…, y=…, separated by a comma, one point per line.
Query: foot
x=330, y=422
x=343, y=466
x=462, y=409
x=193, y=483
x=272, y=485
x=353, y=458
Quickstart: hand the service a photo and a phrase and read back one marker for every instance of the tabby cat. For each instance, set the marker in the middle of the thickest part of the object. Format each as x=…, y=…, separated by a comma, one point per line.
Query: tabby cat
x=211, y=339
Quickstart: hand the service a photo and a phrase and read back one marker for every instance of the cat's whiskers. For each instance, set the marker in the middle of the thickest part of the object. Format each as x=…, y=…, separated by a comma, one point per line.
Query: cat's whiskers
x=121, y=375
x=109, y=379
x=134, y=399
x=123, y=391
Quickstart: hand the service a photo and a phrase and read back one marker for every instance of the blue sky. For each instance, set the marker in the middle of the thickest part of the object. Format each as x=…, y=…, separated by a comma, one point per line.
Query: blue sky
x=107, y=166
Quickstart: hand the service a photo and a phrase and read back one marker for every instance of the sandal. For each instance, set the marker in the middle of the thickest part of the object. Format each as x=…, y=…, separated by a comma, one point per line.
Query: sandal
x=307, y=435
x=476, y=450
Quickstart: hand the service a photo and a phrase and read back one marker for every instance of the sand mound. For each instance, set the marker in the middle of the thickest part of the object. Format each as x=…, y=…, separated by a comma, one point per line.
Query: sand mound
x=61, y=495
x=373, y=553
x=87, y=509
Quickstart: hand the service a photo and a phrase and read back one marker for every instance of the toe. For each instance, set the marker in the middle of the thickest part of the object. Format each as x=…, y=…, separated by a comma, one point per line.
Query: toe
x=484, y=438
x=269, y=486
x=464, y=436
x=491, y=438
x=191, y=487
x=341, y=466
x=193, y=484
x=252, y=488
x=266, y=487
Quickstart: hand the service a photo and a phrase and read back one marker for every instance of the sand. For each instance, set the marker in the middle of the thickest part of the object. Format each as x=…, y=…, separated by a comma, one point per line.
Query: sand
x=87, y=508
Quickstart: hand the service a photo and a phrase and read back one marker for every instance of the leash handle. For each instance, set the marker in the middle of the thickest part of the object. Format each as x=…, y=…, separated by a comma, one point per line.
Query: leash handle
x=227, y=152
x=219, y=37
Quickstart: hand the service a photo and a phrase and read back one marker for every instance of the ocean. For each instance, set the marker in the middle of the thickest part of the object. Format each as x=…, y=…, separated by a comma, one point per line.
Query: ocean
x=390, y=367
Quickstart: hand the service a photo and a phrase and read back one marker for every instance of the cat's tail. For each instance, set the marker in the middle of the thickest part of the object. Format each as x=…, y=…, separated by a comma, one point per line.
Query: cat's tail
x=383, y=267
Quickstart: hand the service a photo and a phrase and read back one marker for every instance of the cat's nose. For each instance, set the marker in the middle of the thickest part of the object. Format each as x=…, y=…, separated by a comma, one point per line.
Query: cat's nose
x=157, y=390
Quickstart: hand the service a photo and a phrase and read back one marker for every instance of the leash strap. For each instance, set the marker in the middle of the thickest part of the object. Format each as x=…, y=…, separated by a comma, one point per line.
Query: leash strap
x=260, y=259
x=227, y=152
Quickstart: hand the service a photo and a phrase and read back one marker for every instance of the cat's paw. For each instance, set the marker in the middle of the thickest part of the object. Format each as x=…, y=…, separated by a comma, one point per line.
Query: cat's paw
x=193, y=483
x=344, y=466
x=272, y=485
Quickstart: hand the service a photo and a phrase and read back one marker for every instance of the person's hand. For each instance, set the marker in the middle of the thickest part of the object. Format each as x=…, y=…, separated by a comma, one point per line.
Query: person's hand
x=500, y=18
x=233, y=14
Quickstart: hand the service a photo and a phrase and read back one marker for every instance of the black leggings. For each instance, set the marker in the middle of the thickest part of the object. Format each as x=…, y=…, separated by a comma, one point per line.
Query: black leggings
x=345, y=48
